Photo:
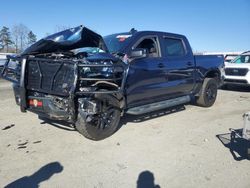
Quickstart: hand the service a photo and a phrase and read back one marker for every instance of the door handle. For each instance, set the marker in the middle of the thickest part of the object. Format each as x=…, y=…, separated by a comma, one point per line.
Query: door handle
x=161, y=65
x=189, y=64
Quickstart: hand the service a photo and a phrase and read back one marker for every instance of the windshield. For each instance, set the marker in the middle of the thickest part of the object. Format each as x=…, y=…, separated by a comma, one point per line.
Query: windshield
x=242, y=59
x=229, y=58
x=89, y=50
x=69, y=35
x=117, y=42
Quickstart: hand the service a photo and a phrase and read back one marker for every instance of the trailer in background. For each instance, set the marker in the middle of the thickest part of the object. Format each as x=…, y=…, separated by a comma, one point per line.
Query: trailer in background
x=244, y=135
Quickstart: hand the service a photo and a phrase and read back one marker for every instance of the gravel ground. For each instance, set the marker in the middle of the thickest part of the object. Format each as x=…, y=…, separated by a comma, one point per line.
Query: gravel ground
x=187, y=148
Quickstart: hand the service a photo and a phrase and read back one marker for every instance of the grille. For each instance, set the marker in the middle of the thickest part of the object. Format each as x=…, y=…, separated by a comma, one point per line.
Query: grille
x=236, y=71
x=236, y=81
x=53, y=77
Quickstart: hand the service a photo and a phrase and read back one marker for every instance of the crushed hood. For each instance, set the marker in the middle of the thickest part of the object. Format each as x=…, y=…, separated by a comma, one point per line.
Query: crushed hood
x=66, y=40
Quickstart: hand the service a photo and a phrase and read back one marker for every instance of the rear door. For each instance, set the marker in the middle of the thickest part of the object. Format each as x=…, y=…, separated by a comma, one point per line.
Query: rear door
x=179, y=64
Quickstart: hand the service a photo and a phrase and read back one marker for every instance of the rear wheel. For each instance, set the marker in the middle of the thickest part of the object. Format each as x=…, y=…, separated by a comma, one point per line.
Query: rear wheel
x=208, y=93
x=248, y=153
x=103, y=124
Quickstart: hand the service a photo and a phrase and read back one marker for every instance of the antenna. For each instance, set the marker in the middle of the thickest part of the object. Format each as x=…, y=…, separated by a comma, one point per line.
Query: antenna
x=133, y=30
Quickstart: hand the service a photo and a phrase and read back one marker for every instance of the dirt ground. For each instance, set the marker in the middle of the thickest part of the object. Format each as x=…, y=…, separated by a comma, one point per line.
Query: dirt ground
x=189, y=147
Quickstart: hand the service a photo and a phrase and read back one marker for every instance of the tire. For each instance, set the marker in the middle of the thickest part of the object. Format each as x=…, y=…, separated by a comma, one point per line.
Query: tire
x=248, y=153
x=208, y=93
x=102, y=125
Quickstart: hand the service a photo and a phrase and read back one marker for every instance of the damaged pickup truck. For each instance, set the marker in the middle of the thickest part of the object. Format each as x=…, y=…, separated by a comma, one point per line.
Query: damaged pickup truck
x=81, y=78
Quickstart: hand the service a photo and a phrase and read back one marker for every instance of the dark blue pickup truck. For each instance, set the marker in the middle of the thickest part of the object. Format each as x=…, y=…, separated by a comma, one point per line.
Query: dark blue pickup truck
x=90, y=81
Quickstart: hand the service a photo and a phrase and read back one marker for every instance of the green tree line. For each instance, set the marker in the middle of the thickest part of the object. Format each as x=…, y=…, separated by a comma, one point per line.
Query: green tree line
x=16, y=39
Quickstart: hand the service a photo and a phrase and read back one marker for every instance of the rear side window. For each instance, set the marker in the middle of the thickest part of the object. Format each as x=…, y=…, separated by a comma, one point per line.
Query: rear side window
x=174, y=47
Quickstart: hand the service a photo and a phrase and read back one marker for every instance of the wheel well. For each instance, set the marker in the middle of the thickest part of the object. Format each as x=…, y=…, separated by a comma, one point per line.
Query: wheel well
x=214, y=74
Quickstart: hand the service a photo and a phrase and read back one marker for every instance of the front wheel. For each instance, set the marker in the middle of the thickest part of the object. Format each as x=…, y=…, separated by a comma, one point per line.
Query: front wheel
x=208, y=93
x=103, y=124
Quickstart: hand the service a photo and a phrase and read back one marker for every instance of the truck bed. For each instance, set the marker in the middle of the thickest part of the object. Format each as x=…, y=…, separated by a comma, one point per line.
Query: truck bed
x=206, y=62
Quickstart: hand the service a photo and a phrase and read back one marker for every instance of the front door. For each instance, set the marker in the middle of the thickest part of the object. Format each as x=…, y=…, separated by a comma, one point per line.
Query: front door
x=147, y=76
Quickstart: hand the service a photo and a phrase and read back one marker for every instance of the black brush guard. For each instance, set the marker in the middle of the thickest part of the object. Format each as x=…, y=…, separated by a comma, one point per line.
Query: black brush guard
x=20, y=76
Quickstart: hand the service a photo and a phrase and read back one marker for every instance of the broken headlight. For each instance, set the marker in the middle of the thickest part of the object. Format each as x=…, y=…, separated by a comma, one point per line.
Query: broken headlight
x=97, y=70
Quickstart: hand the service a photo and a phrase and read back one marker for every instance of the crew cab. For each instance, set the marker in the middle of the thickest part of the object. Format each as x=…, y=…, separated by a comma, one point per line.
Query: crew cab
x=237, y=71
x=91, y=81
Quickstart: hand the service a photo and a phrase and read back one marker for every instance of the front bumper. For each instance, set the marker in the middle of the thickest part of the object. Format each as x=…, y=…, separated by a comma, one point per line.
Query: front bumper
x=47, y=109
x=233, y=80
x=236, y=76
x=48, y=81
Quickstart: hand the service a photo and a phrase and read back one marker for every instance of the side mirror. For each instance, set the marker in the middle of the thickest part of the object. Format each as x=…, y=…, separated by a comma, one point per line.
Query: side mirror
x=138, y=53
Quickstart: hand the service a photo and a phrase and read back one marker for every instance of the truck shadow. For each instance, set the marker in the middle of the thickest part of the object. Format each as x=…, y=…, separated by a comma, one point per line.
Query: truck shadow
x=238, y=147
x=148, y=116
x=43, y=174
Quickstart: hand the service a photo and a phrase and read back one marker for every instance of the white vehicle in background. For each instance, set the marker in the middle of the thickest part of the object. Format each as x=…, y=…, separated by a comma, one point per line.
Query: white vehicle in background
x=237, y=72
x=229, y=58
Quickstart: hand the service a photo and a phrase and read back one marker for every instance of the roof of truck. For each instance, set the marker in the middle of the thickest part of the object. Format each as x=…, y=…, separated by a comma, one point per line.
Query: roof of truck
x=135, y=32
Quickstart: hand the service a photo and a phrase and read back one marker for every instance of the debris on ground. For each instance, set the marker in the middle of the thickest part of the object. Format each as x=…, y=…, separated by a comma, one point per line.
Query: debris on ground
x=36, y=142
x=8, y=127
x=23, y=144
x=205, y=140
x=21, y=147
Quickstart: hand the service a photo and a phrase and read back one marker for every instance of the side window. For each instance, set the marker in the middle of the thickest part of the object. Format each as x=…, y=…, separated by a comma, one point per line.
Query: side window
x=151, y=45
x=239, y=60
x=174, y=47
x=242, y=59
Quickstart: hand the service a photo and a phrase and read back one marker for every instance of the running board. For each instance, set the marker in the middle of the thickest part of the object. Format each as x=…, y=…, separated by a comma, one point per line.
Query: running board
x=158, y=105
